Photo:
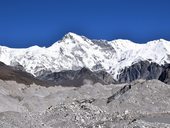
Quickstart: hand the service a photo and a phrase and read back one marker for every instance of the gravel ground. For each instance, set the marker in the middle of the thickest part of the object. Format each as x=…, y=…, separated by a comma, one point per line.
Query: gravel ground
x=140, y=104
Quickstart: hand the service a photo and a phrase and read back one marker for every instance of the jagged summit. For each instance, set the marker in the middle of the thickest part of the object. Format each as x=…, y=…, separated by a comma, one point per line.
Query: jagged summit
x=74, y=52
x=69, y=38
x=71, y=34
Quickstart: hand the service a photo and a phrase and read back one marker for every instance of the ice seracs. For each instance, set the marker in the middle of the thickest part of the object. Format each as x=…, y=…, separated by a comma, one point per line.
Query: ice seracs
x=73, y=52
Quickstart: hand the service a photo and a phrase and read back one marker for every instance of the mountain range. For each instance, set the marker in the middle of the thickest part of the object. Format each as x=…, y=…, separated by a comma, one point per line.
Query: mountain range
x=75, y=58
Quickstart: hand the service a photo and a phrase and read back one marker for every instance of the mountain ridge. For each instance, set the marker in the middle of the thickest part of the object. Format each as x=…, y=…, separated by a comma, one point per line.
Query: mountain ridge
x=74, y=52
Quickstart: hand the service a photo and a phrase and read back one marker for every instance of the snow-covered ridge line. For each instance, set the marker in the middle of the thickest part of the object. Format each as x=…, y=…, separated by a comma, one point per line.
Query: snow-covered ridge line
x=74, y=52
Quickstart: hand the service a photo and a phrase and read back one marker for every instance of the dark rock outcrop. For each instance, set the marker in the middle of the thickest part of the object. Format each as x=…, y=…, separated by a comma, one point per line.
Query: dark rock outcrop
x=145, y=70
x=119, y=93
x=165, y=75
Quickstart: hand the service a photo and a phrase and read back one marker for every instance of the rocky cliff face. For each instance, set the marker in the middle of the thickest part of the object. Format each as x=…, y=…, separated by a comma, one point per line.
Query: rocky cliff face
x=165, y=75
x=142, y=70
x=145, y=70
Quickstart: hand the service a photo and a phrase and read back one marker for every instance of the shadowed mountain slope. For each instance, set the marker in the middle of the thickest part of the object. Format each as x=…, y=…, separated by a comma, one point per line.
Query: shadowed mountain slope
x=77, y=77
x=12, y=74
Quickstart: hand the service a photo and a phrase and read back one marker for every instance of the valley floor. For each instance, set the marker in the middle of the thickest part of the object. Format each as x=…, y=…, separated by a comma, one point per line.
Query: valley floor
x=140, y=104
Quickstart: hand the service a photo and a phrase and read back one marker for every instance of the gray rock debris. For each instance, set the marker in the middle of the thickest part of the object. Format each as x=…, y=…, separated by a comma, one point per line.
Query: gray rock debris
x=136, y=105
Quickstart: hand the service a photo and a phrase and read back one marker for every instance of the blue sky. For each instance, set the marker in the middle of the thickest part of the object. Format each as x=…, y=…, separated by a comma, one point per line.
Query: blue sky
x=24, y=23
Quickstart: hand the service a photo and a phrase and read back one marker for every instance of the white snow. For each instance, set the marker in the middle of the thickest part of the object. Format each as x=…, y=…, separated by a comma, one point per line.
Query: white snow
x=74, y=52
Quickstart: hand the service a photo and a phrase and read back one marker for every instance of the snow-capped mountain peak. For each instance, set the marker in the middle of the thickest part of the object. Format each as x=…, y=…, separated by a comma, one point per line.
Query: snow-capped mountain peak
x=72, y=35
x=71, y=39
x=73, y=52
